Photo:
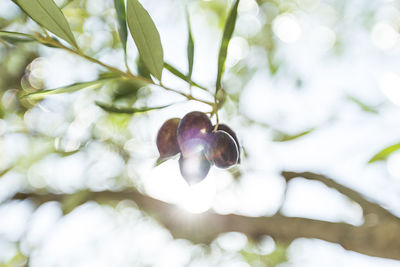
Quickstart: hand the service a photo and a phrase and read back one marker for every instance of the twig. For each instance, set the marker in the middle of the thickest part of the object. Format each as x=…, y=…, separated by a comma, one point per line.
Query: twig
x=50, y=41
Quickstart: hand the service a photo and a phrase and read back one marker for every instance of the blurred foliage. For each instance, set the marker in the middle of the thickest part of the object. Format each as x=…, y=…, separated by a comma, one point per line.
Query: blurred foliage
x=119, y=101
x=385, y=153
x=276, y=257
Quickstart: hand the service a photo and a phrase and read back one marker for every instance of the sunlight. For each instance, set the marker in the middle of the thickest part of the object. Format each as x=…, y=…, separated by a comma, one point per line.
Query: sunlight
x=384, y=36
x=393, y=165
x=390, y=86
x=199, y=197
x=166, y=183
x=287, y=28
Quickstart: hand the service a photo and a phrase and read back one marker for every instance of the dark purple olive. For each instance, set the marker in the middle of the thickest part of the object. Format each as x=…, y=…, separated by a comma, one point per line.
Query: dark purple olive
x=167, y=142
x=193, y=133
x=194, y=168
x=226, y=128
x=223, y=151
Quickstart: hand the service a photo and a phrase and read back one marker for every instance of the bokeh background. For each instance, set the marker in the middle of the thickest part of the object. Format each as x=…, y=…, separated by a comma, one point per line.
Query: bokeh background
x=311, y=85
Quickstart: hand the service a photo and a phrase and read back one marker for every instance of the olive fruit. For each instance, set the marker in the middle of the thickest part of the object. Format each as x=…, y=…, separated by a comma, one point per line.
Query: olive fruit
x=193, y=133
x=223, y=151
x=199, y=146
x=228, y=130
x=167, y=142
x=194, y=168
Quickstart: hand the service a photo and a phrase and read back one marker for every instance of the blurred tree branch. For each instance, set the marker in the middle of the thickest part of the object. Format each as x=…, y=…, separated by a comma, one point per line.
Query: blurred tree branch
x=367, y=206
x=376, y=238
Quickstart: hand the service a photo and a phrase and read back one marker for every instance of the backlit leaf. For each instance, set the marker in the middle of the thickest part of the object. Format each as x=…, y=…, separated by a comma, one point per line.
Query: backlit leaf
x=226, y=37
x=47, y=14
x=121, y=16
x=146, y=37
x=190, y=47
x=125, y=110
x=16, y=37
x=67, y=89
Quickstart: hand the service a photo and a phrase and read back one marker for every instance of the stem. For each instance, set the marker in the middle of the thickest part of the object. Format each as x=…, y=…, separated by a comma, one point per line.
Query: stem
x=215, y=111
x=127, y=74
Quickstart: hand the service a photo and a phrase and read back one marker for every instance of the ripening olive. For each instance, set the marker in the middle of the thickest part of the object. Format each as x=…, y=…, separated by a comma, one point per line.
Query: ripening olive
x=193, y=132
x=167, y=142
x=194, y=168
x=227, y=129
x=222, y=151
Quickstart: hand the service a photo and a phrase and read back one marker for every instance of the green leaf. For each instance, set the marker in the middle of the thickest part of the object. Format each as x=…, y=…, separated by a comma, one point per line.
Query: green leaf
x=121, y=16
x=226, y=37
x=16, y=37
x=384, y=153
x=182, y=76
x=143, y=71
x=124, y=110
x=284, y=137
x=47, y=14
x=67, y=89
x=190, y=48
x=146, y=37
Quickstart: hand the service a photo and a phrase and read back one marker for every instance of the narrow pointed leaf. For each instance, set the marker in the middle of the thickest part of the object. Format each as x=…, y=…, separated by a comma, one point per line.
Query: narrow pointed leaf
x=121, y=16
x=384, y=153
x=47, y=14
x=124, y=110
x=226, y=37
x=182, y=76
x=146, y=37
x=67, y=89
x=16, y=37
x=190, y=48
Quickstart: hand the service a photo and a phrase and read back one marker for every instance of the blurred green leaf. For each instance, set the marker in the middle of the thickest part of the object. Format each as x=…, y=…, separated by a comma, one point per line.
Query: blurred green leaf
x=283, y=137
x=384, y=153
x=121, y=16
x=19, y=259
x=124, y=110
x=67, y=89
x=226, y=37
x=47, y=14
x=16, y=37
x=146, y=37
x=182, y=76
x=5, y=171
x=71, y=202
x=274, y=258
x=277, y=256
x=190, y=47
x=362, y=105
x=127, y=89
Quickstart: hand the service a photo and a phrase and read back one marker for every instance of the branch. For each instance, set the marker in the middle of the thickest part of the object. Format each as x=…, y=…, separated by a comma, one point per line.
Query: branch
x=378, y=240
x=47, y=40
x=367, y=206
